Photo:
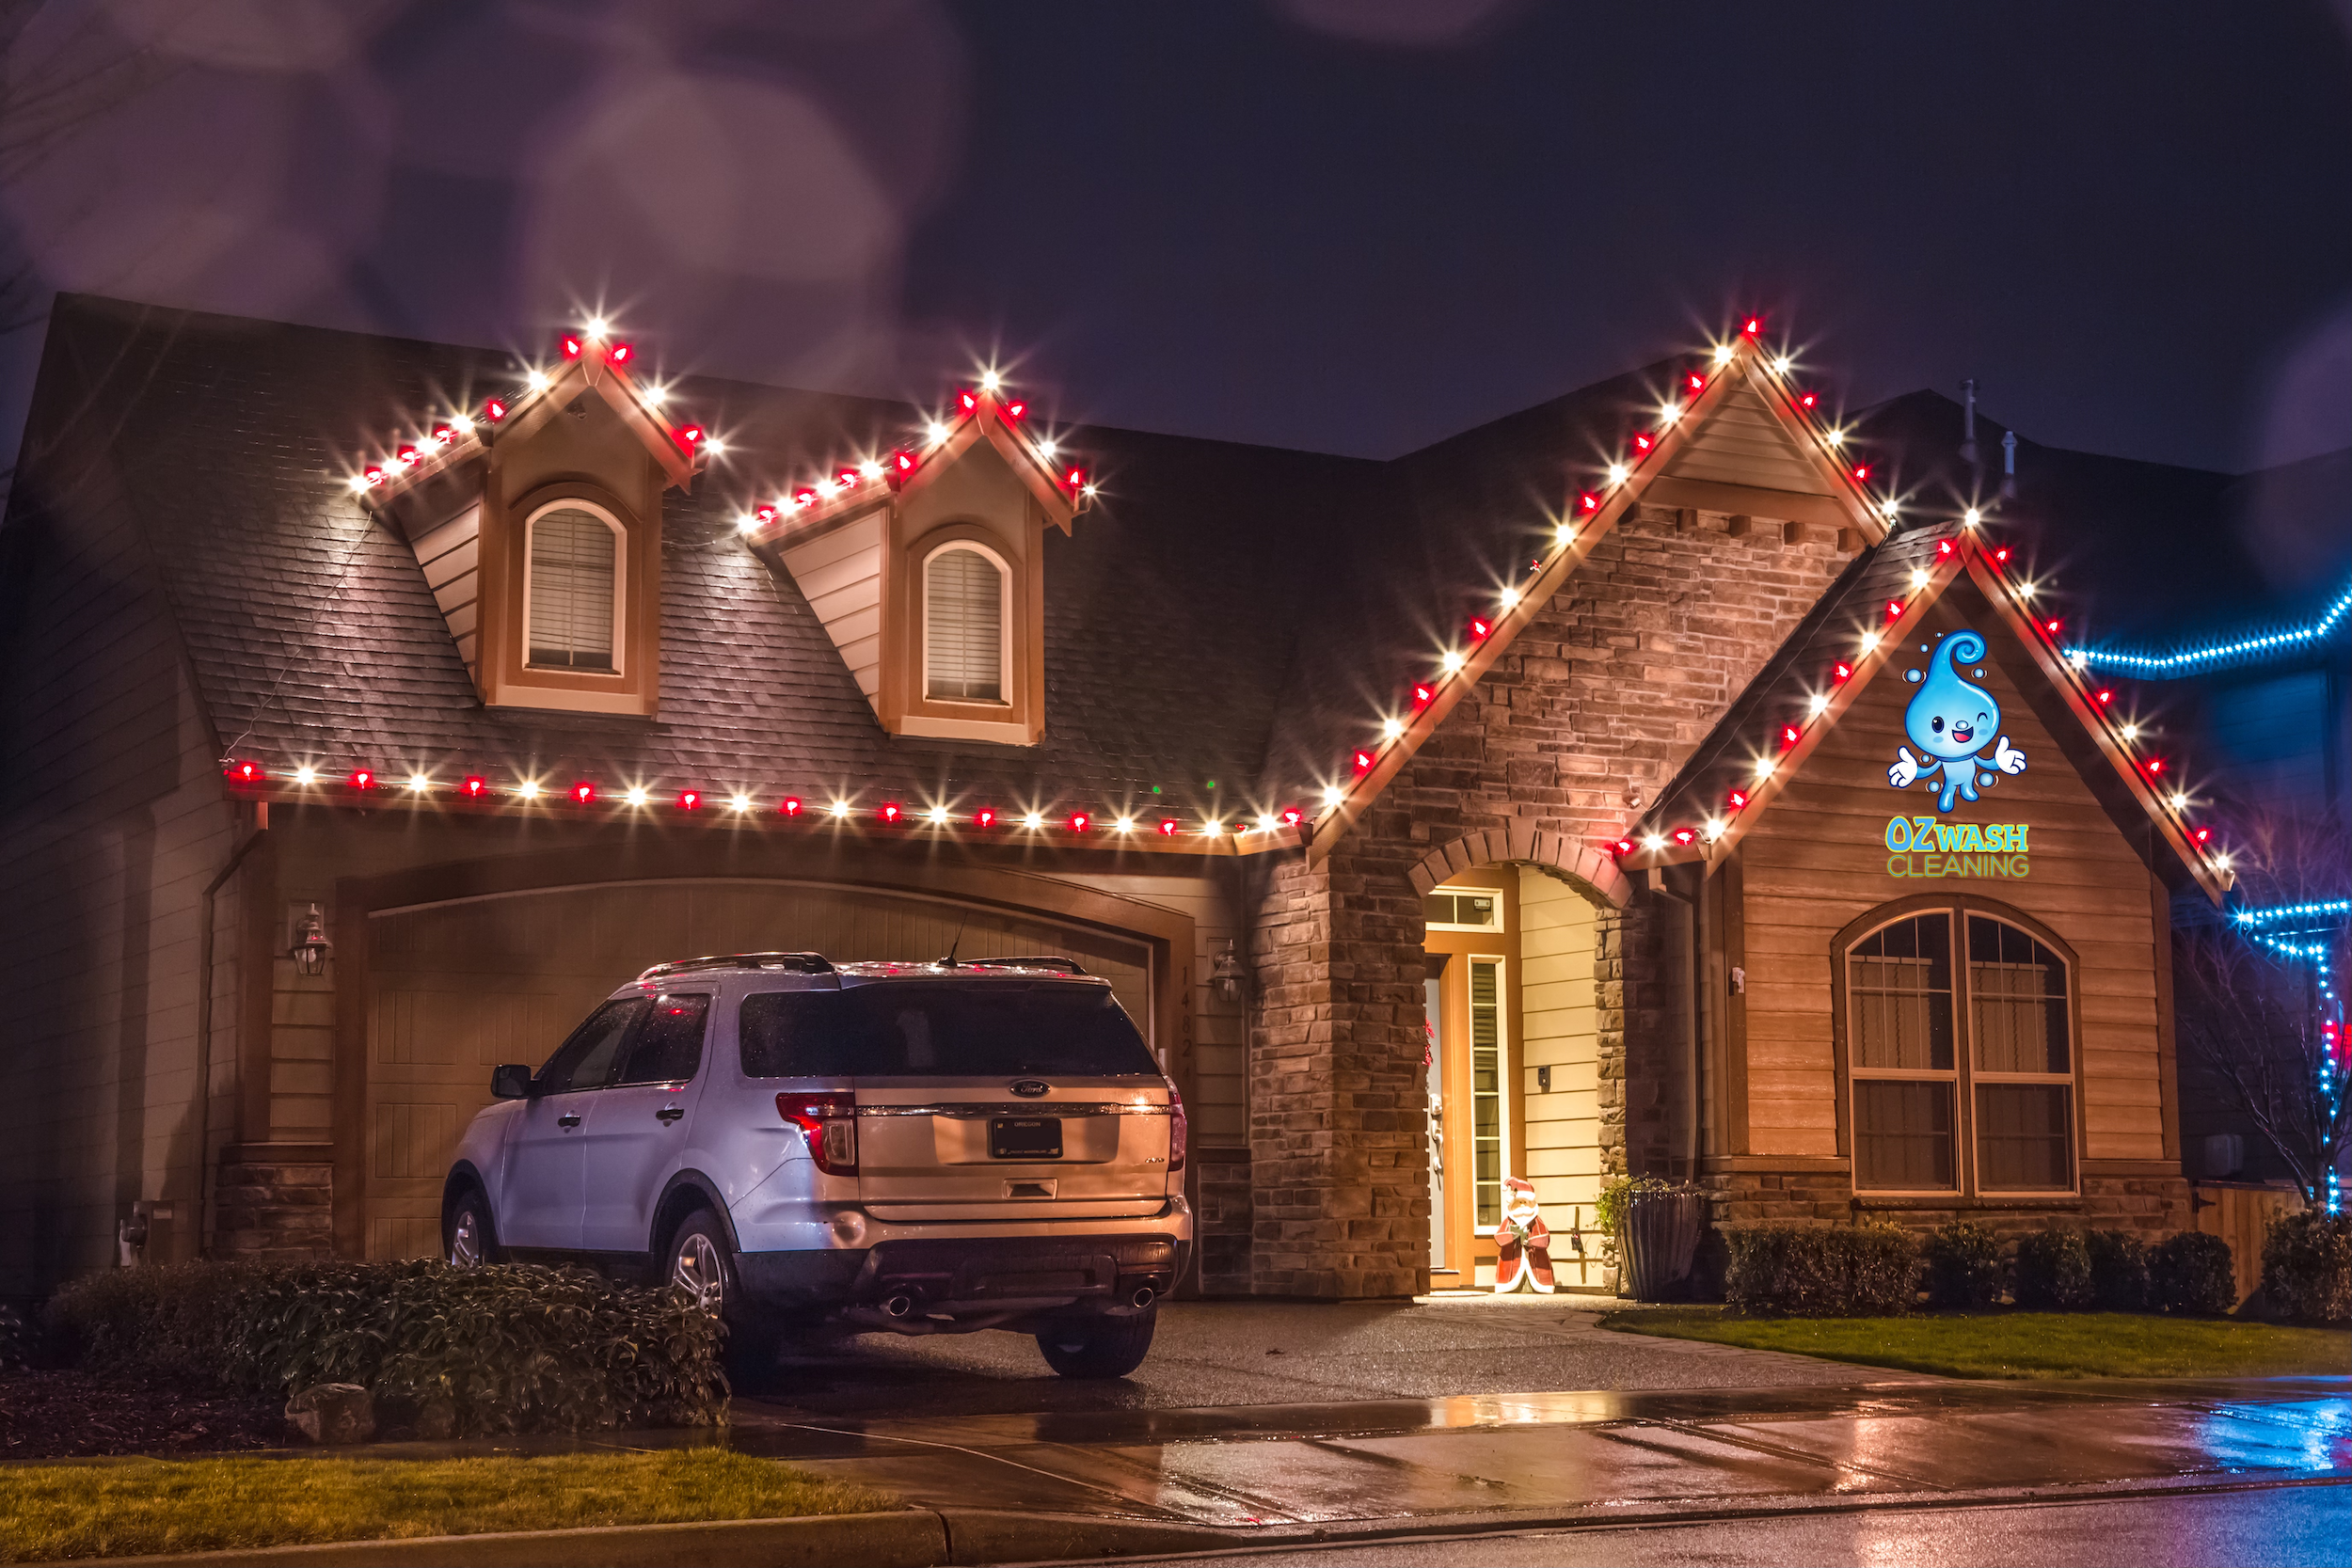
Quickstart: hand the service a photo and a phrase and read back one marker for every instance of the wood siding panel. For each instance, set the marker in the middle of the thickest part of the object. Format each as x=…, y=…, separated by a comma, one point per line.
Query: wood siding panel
x=1559, y=1028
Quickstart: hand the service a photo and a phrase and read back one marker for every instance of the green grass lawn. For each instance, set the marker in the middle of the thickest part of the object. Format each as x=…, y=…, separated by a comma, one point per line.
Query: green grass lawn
x=197, y=1505
x=2021, y=1344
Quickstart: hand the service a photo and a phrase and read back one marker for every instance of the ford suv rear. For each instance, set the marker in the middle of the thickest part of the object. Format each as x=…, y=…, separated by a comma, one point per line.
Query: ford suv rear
x=914, y=1148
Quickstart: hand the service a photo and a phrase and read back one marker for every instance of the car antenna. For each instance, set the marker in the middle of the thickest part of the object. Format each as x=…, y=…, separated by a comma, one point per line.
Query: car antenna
x=949, y=961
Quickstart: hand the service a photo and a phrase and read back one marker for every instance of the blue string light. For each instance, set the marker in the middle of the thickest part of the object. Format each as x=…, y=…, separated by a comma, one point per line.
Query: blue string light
x=2278, y=912
x=2189, y=660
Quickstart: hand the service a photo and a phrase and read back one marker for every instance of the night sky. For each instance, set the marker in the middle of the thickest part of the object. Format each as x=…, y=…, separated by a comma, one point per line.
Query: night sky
x=1350, y=225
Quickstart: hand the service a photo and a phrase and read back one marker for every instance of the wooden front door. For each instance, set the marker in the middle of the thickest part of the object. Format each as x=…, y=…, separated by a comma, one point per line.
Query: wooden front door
x=1470, y=995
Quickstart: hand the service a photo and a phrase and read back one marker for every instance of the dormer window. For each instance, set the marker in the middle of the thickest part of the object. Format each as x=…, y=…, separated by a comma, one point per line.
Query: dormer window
x=574, y=594
x=966, y=592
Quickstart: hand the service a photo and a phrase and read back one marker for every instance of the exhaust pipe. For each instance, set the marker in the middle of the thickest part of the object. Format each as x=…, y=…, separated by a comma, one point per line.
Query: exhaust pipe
x=1145, y=1295
x=898, y=1305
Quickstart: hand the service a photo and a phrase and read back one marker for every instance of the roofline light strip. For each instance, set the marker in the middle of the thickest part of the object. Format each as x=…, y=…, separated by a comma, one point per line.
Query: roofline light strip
x=2163, y=666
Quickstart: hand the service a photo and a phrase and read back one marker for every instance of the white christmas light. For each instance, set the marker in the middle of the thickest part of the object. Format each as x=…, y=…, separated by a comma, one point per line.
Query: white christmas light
x=419, y=784
x=936, y=432
x=1919, y=577
x=989, y=381
x=636, y=795
x=870, y=469
x=1764, y=768
x=1714, y=829
x=714, y=446
x=1212, y=828
x=528, y=789
x=358, y=482
x=2024, y=590
x=1087, y=490
x=1836, y=437
x=1510, y=598
x=1817, y=704
x=1047, y=448
x=1618, y=472
x=655, y=396
x=1333, y=795
x=305, y=775
x=1033, y=820
x=1869, y=641
x=2131, y=732
x=1391, y=728
x=1669, y=414
x=1971, y=517
x=1723, y=353
x=937, y=813
x=739, y=804
x=1125, y=825
x=538, y=381
x=747, y=523
x=1890, y=509
x=596, y=325
x=1266, y=822
x=461, y=423
x=1452, y=662
x=1780, y=366
x=840, y=809
x=2180, y=802
x=1563, y=535
x=1654, y=841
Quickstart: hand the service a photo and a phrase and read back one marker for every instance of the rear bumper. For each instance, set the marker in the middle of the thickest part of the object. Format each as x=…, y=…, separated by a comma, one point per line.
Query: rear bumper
x=966, y=1275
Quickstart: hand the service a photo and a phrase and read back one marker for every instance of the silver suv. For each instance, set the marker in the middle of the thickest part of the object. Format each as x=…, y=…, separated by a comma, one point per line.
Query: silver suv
x=811, y=1147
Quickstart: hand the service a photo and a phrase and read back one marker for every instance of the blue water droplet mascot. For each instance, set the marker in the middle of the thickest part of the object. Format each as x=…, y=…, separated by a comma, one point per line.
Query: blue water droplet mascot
x=1950, y=719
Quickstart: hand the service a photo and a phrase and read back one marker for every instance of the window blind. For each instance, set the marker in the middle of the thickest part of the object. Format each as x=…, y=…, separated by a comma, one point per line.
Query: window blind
x=963, y=628
x=573, y=560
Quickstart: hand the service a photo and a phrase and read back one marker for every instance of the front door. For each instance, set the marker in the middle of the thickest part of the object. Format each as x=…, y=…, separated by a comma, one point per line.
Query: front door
x=1469, y=998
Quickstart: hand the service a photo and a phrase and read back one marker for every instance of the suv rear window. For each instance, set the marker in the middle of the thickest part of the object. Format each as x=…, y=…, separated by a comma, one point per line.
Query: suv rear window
x=935, y=1029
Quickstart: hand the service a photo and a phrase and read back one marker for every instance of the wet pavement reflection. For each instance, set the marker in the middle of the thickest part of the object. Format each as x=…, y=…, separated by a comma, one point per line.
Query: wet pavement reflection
x=1577, y=1451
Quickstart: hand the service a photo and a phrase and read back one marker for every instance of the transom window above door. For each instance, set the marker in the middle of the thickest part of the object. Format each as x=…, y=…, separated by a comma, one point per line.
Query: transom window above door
x=1959, y=1057
x=575, y=584
x=963, y=626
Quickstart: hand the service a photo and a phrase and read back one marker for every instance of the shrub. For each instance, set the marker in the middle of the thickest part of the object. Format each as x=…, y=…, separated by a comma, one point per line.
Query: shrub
x=1847, y=1271
x=2190, y=1273
x=2053, y=1271
x=2307, y=1267
x=1609, y=1210
x=497, y=1349
x=2118, y=1271
x=1962, y=1265
x=16, y=1344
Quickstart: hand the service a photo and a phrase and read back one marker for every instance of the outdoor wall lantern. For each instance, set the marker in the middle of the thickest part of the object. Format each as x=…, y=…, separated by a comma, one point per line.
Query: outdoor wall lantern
x=1228, y=973
x=310, y=945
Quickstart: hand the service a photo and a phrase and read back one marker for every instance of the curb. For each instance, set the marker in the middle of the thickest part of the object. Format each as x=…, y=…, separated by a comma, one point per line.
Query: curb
x=934, y=1538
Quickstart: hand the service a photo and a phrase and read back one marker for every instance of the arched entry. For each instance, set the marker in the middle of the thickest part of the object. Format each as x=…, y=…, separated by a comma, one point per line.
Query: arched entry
x=1514, y=1025
x=441, y=989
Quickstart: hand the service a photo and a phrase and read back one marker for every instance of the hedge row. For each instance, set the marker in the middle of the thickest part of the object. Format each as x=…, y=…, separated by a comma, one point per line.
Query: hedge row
x=493, y=1349
x=2307, y=1267
x=1874, y=1269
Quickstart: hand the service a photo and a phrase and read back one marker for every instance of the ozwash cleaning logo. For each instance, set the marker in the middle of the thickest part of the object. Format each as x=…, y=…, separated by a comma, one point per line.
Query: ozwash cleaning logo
x=1951, y=718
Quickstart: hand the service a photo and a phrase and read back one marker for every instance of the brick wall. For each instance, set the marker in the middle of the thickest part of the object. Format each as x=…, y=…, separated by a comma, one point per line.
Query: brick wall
x=1609, y=688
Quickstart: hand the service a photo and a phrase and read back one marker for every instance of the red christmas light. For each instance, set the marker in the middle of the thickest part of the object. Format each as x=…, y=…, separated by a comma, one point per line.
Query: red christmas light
x=2203, y=835
x=444, y=435
x=689, y=436
x=584, y=792
x=791, y=806
x=2155, y=765
x=1167, y=827
x=766, y=514
x=2001, y=555
x=804, y=498
x=847, y=479
x=1943, y=548
x=689, y=799
x=901, y=463
x=1789, y=735
x=362, y=779
x=1481, y=628
x=619, y=354
x=494, y=410
x=2102, y=696
x=1293, y=817
x=1753, y=326
x=1738, y=798
x=1015, y=410
x=475, y=786
x=405, y=456
x=1074, y=479
x=1807, y=400
x=1643, y=442
x=890, y=812
x=985, y=817
x=2050, y=627
x=1625, y=846
x=571, y=348
x=1842, y=672
x=1694, y=383
x=967, y=401
x=1861, y=473
x=1423, y=694
x=374, y=476
x=1684, y=835
x=1894, y=610
x=1587, y=503
x=1078, y=821
x=248, y=772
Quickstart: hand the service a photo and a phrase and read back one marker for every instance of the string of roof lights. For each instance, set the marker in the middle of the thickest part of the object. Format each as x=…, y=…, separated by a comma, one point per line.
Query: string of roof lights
x=461, y=433
x=2187, y=661
x=253, y=779
x=1804, y=406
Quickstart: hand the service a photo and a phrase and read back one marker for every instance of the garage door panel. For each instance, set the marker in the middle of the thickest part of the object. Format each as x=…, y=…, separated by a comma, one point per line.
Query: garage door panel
x=458, y=988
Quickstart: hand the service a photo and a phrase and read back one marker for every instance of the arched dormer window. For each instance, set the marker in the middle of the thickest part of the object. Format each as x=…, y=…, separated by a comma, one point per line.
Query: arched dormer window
x=572, y=614
x=965, y=594
x=1960, y=1055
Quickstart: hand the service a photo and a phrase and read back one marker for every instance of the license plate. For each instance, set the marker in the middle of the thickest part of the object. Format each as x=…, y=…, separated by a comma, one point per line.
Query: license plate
x=1024, y=1137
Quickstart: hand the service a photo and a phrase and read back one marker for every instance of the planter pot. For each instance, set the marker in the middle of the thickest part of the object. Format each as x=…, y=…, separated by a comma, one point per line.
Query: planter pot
x=1659, y=1238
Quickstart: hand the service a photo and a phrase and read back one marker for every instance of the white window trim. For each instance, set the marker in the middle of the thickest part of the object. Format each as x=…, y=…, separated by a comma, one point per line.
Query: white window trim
x=1005, y=680
x=620, y=590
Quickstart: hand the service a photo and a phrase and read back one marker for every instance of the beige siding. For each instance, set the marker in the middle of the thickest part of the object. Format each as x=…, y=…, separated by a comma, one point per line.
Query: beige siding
x=1818, y=861
x=841, y=575
x=1558, y=1029
x=1217, y=1098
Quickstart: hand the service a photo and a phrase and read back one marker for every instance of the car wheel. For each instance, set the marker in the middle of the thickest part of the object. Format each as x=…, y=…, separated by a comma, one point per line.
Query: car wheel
x=467, y=1237
x=1100, y=1347
x=703, y=1266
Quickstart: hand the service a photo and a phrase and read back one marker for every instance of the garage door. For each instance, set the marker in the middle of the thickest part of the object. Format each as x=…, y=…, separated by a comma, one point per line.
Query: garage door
x=457, y=988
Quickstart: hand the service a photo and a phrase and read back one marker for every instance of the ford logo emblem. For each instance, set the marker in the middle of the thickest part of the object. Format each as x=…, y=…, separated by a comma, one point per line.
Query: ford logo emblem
x=1030, y=1088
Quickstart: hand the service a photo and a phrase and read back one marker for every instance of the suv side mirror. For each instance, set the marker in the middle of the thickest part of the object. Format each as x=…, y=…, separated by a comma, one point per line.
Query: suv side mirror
x=510, y=1080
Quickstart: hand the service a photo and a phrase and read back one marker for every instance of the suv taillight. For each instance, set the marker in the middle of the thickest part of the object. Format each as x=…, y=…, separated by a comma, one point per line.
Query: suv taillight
x=1178, y=1125
x=829, y=1123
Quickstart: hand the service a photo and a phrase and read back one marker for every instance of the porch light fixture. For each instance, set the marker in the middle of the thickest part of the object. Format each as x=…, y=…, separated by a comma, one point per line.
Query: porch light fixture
x=310, y=945
x=1228, y=973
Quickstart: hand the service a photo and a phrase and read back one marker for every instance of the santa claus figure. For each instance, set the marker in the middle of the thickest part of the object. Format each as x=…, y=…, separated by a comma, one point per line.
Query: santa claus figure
x=1522, y=1240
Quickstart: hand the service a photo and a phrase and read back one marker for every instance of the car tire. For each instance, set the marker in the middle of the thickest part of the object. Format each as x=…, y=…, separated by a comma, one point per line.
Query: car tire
x=468, y=1235
x=700, y=1262
x=1100, y=1347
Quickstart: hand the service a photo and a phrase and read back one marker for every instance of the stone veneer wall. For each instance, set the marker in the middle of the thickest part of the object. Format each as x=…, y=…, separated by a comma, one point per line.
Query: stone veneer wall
x=2152, y=1205
x=275, y=1201
x=1615, y=680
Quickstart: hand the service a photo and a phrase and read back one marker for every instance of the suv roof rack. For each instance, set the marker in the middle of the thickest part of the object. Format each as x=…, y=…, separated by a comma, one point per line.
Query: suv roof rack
x=799, y=964
x=1038, y=961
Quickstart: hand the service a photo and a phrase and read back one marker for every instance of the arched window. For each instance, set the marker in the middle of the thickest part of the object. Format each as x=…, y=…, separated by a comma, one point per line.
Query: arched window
x=963, y=626
x=1959, y=1057
x=575, y=578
